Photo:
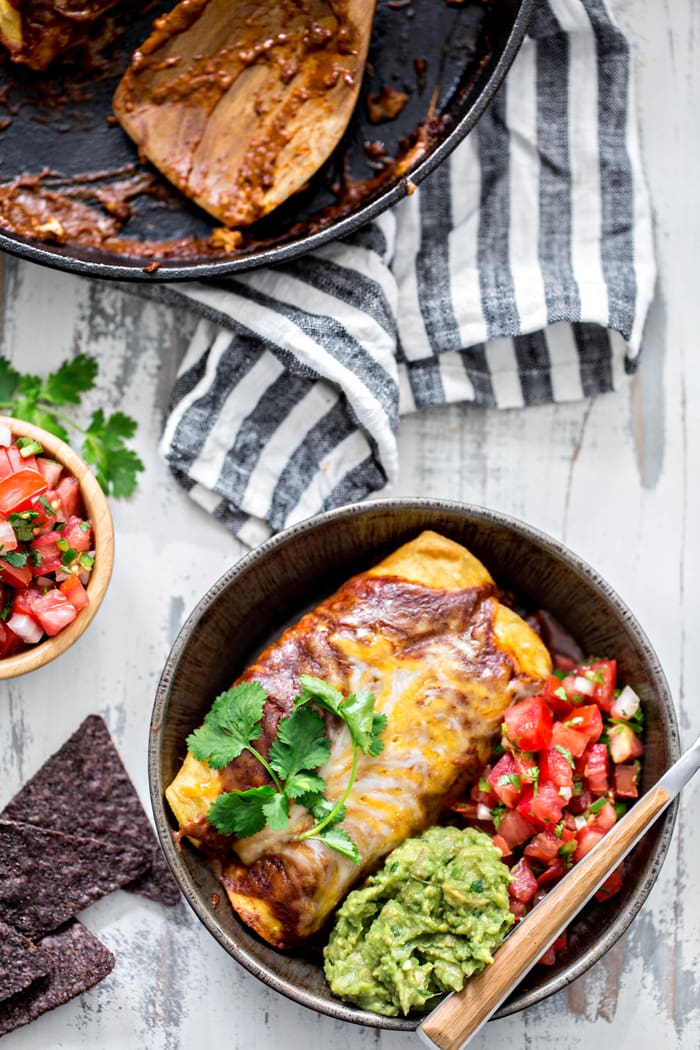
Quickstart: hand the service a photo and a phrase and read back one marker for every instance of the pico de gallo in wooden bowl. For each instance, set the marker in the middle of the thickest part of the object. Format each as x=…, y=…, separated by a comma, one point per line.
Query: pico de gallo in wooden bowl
x=565, y=770
x=56, y=546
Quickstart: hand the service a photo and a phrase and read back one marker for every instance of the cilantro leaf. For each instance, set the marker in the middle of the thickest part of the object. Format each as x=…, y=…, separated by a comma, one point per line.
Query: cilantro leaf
x=363, y=722
x=235, y=720
x=301, y=743
x=9, y=380
x=70, y=380
x=116, y=466
x=241, y=813
x=304, y=783
x=320, y=807
x=277, y=811
x=322, y=692
x=340, y=841
x=15, y=558
x=27, y=397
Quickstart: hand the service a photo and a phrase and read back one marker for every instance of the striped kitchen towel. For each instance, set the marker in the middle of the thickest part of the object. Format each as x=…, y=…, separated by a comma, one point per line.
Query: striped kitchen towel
x=519, y=273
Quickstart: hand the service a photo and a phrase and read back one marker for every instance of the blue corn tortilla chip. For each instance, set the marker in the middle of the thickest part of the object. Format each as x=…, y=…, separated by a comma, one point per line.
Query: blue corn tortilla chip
x=46, y=877
x=84, y=789
x=21, y=962
x=78, y=960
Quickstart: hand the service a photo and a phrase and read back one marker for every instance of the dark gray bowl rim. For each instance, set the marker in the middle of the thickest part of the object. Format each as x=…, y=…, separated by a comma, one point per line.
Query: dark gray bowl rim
x=133, y=270
x=336, y=1008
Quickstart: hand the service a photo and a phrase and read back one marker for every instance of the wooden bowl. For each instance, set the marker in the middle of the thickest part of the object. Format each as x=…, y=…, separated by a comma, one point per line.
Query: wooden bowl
x=279, y=581
x=97, y=509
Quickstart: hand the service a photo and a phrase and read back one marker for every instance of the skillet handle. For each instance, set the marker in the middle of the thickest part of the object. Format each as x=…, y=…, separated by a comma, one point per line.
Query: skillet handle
x=461, y=1015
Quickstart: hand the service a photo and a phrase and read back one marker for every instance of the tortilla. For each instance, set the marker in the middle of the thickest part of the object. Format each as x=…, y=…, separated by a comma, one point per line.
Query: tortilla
x=21, y=962
x=78, y=961
x=46, y=877
x=84, y=789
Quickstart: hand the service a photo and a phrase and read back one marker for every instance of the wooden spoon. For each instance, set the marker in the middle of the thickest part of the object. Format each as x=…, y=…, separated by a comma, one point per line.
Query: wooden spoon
x=239, y=102
x=461, y=1015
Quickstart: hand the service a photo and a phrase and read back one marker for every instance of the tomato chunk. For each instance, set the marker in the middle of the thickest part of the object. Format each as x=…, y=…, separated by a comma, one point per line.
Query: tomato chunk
x=523, y=884
x=529, y=724
x=596, y=768
x=19, y=489
x=626, y=779
x=569, y=739
x=504, y=781
x=54, y=612
x=542, y=808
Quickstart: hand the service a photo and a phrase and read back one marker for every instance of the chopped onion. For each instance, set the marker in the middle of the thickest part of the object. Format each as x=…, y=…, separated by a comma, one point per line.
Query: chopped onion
x=26, y=628
x=580, y=821
x=584, y=685
x=483, y=812
x=8, y=539
x=5, y=435
x=626, y=704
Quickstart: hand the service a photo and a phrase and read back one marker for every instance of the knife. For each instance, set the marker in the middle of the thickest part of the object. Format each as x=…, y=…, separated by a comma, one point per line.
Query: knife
x=458, y=1018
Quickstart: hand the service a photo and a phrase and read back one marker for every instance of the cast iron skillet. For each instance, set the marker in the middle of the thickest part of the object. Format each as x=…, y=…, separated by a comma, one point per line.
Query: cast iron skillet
x=60, y=125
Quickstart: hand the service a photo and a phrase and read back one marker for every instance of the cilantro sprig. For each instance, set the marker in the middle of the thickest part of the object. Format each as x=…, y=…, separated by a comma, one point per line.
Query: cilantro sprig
x=300, y=748
x=42, y=401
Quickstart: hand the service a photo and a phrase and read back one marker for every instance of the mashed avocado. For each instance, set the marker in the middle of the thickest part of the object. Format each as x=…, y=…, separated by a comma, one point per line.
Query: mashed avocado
x=420, y=926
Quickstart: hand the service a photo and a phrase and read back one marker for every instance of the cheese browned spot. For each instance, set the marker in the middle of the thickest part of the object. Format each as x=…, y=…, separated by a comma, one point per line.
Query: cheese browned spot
x=426, y=633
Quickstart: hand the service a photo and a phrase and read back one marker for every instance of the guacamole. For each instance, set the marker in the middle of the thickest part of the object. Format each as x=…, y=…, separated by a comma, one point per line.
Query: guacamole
x=422, y=924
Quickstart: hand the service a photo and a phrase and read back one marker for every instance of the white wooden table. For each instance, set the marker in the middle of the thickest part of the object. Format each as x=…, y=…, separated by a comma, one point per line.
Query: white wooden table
x=615, y=479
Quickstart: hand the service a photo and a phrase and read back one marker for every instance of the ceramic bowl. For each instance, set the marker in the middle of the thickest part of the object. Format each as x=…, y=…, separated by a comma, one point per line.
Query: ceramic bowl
x=97, y=509
x=271, y=587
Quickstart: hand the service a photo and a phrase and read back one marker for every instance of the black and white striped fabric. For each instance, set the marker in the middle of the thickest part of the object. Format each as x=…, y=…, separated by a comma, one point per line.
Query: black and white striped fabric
x=519, y=273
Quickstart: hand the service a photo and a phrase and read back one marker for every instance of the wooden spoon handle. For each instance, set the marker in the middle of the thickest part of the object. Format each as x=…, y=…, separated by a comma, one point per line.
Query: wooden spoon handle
x=461, y=1015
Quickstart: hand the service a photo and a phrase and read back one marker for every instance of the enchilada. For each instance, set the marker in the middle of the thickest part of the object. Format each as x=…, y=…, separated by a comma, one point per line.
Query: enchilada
x=424, y=630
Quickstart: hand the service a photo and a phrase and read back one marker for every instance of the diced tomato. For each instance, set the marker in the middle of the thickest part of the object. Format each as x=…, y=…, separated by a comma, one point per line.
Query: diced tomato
x=10, y=643
x=523, y=885
x=542, y=808
x=550, y=956
x=603, y=674
x=19, y=489
x=556, y=696
x=5, y=465
x=46, y=553
x=570, y=739
x=24, y=598
x=544, y=847
x=15, y=575
x=580, y=802
x=624, y=743
x=626, y=779
x=555, y=871
x=504, y=781
x=588, y=720
x=75, y=592
x=526, y=766
x=77, y=534
x=605, y=817
x=50, y=469
x=555, y=766
x=501, y=844
x=54, y=612
x=514, y=828
x=18, y=461
x=596, y=768
x=587, y=838
x=68, y=492
x=529, y=724
x=612, y=885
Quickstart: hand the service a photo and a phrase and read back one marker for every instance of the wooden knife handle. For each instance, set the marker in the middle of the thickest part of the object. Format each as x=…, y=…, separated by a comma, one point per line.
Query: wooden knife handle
x=461, y=1015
